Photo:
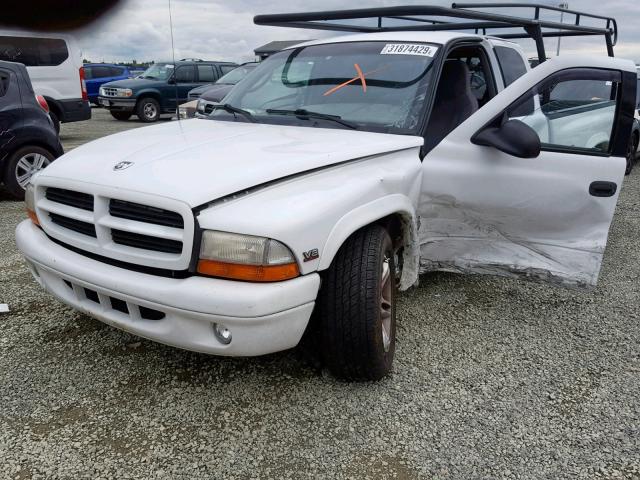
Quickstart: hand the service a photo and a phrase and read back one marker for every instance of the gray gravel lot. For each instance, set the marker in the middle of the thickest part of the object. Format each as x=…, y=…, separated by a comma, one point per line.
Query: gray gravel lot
x=493, y=378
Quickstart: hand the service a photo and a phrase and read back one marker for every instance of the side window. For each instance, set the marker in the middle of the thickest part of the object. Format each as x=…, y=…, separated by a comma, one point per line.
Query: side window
x=116, y=71
x=101, y=72
x=227, y=68
x=206, y=74
x=33, y=52
x=573, y=110
x=88, y=73
x=185, y=74
x=482, y=86
x=511, y=64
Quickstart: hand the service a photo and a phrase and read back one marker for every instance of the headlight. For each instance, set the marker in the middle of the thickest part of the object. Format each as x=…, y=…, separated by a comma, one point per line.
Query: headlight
x=101, y=91
x=124, y=92
x=201, y=104
x=30, y=202
x=245, y=257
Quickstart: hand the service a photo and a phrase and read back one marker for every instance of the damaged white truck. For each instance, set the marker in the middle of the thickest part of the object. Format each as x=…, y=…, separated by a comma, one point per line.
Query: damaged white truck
x=332, y=175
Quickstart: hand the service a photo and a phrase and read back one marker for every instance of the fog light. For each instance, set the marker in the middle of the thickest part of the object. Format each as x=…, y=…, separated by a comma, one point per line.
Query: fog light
x=223, y=334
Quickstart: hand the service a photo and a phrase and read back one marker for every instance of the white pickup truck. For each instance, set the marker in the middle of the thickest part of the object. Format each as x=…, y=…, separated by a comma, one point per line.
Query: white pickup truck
x=334, y=173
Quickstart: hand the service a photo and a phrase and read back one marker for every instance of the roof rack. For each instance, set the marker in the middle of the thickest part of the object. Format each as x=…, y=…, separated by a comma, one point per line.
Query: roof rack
x=459, y=17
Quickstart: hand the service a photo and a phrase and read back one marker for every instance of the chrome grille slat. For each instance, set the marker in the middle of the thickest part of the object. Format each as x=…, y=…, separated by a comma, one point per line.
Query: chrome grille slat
x=80, y=200
x=75, y=225
x=145, y=214
x=145, y=242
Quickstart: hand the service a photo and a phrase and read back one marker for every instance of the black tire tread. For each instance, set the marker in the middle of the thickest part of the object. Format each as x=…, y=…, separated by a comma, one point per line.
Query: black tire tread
x=349, y=308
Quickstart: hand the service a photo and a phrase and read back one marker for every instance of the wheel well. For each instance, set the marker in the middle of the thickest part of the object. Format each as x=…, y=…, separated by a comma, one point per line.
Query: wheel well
x=394, y=224
x=4, y=161
x=54, y=107
x=153, y=95
x=636, y=137
x=404, y=236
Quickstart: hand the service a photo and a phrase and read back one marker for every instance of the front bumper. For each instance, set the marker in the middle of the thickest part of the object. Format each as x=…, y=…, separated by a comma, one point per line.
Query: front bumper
x=262, y=318
x=117, y=104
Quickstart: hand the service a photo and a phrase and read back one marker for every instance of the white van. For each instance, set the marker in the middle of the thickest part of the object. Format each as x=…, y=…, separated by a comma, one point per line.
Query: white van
x=54, y=63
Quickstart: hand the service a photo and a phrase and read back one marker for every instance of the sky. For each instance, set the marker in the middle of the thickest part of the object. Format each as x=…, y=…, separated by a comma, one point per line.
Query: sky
x=224, y=29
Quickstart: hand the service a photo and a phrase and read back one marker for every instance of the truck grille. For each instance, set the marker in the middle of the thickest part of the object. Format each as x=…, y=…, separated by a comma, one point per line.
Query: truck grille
x=109, y=91
x=124, y=229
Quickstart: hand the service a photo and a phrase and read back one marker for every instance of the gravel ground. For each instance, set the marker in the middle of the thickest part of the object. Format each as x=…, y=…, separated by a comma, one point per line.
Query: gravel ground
x=493, y=378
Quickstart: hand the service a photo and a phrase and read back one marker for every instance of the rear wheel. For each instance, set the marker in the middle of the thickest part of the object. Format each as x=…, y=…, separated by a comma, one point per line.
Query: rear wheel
x=148, y=110
x=122, y=116
x=22, y=165
x=631, y=153
x=356, y=307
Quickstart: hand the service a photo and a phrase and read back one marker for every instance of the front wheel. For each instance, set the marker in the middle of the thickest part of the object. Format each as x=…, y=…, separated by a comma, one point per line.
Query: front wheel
x=356, y=307
x=148, y=110
x=119, y=115
x=22, y=165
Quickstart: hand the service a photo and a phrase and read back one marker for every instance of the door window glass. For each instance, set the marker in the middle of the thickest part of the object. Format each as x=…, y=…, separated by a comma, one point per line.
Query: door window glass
x=206, y=74
x=88, y=73
x=185, y=74
x=511, y=64
x=101, y=72
x=573, y=110
x=227, y=68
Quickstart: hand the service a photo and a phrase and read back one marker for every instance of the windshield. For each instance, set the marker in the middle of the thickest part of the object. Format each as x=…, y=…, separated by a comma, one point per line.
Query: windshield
x=158, y=71
x=375, y=86
x=235, y=75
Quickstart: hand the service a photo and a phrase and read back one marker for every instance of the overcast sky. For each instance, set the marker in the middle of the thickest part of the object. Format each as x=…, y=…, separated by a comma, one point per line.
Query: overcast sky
x=224, y=29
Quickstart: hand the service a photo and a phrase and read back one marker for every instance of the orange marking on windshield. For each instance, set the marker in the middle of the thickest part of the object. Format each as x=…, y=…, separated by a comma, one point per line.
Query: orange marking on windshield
x=361, y=76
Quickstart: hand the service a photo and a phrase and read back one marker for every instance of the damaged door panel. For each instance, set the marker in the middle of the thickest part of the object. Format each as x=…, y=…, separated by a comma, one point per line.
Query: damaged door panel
x=488, y=212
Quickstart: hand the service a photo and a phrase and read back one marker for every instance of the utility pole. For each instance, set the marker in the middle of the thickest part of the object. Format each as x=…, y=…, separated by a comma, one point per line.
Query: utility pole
x=564, y=6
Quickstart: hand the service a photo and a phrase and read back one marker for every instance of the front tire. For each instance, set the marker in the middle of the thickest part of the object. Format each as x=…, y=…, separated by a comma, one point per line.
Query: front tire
x=22, y=165
x=122, y=116
x=148, y=110
x=356, y=307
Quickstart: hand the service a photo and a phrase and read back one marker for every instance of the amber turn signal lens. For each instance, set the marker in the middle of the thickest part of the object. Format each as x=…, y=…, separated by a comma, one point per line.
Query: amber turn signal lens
x=34, y=218
x=249, y=273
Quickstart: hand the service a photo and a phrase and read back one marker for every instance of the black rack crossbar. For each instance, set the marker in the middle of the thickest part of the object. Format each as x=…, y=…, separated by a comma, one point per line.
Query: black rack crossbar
x=465, y=19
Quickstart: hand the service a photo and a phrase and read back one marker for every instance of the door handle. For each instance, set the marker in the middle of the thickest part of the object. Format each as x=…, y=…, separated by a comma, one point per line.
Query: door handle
x=603, y=189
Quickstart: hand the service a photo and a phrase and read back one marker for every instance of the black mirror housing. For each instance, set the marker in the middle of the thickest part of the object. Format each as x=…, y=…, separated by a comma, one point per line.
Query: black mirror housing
x=513, y=137
x=172, y=81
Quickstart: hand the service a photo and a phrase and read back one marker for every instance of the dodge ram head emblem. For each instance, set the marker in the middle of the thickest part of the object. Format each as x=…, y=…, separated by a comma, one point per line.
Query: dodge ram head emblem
x=122, y=166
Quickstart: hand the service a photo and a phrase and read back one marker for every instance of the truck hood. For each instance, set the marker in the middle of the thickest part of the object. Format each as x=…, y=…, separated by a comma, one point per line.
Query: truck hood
x=197, y=161
x=134, y=83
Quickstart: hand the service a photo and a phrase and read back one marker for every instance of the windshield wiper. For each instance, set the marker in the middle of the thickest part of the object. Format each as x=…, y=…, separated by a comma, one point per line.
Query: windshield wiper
x=235, y=110
x=306, y=114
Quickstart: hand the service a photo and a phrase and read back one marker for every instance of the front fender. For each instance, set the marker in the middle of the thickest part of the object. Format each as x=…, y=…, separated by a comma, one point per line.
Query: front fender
x=369, y=213
x=315, y=213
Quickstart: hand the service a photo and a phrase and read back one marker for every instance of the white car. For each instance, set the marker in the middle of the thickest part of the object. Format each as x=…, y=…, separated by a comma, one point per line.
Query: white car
x=54, y=63
x=334, y=173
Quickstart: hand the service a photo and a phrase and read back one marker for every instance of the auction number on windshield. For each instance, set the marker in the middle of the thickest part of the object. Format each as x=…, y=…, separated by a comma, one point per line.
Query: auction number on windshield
x=409, y=49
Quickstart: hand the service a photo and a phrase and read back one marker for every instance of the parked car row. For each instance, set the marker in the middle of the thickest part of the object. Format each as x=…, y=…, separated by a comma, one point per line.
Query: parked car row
x=160, y=89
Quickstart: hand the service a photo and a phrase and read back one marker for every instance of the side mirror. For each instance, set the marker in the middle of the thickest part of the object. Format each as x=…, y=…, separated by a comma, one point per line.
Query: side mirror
x=513, y=137
x=171, y=81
